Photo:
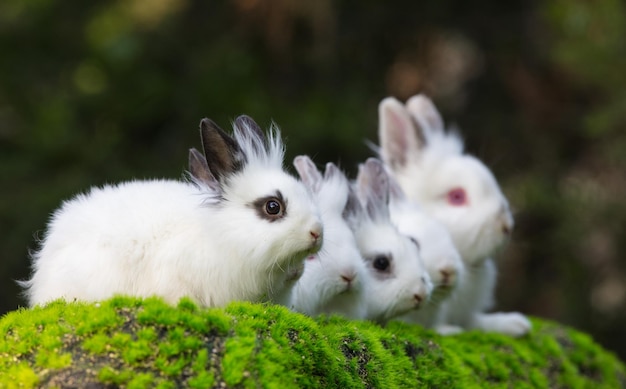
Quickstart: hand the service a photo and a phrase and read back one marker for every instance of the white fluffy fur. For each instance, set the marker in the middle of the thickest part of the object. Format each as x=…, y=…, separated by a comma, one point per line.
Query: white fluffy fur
x=428, y=162
x=175, y=239
x=388, y=295
x=335, y=277
x=441, y=258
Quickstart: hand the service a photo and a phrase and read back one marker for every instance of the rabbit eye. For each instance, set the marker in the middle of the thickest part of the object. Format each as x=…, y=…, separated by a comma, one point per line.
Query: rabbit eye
x=457, y=197
x=270, y=208
x=381, y=263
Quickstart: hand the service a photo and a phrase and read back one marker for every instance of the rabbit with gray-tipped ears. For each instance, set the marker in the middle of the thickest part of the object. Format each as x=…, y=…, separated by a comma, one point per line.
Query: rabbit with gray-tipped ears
x=459, y=191
x=399, y=280
x=334, y=279
x=441, y=258
x=232, y=233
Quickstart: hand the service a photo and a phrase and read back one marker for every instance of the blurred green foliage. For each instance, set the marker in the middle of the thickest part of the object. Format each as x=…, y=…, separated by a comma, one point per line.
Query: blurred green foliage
x=103, y=91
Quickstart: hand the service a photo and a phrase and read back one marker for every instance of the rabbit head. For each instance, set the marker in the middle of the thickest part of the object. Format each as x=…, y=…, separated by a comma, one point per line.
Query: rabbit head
x=398, y=279
x=441, y=258
x=455, y=188
x=333, y=278
x=244, y=180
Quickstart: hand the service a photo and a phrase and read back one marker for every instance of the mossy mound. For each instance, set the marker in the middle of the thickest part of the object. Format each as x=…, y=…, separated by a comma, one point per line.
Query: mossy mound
x=138, y=343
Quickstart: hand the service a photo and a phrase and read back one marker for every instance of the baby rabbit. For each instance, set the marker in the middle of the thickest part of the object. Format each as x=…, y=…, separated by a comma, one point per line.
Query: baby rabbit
x=441, y=258
x=399, y=281
x=333, y=279
x=459, y=191
x=226, y=236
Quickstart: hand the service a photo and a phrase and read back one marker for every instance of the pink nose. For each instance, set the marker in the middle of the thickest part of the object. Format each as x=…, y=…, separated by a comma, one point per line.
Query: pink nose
x=418, y=298
x=315, y=234
x=347, y=279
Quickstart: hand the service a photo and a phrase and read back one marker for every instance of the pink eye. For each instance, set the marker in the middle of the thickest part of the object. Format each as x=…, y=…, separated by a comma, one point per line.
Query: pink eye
x=457, y=197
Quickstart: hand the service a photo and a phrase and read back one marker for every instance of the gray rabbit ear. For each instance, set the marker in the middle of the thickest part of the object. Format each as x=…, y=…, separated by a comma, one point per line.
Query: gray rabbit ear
x=353, y=211
x=425, y=114
x=399, y=138
x=308, y=172
x=246, y=123
x=223, y=155
x=250, y=129
x=199, y=169
x=395, y=190
x=374, y=186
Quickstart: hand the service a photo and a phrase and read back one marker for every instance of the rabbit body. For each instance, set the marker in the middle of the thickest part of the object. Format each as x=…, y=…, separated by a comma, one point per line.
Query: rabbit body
x=333, y=279
x=441, y=258
x=399, y=282
x=460, y=192
x=214, y=243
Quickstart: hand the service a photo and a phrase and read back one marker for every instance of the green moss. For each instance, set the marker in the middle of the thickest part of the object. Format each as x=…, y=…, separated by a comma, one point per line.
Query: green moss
x=139, y=343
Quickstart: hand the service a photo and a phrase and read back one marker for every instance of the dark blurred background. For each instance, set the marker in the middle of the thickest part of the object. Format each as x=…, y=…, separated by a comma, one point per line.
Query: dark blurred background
x=102, y=91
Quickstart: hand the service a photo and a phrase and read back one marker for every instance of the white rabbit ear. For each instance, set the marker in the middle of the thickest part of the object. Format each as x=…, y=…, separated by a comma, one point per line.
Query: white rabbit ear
x=333, y=172
x=373, y=183
x=425, y=114
x=199, y=170
x=223, y=154
x=308, y=172
x=397, y=134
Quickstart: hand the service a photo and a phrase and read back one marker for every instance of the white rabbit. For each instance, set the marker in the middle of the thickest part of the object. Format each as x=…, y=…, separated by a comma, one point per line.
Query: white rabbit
x=399, y=281
x=280, y=291
x=459, y=191
x=441, y=258
x=333, y=279
x=228, y=236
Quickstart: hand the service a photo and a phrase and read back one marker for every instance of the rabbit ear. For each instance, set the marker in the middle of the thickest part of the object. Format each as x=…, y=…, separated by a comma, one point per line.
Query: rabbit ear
x=373, y=184
x=397, y=134
x=309, y=174
x=395, y=190
x=199, y=169
x=425, y=114
x=333, y=172
x=353, y=209
x=245, y=121
x=251, y=130
x=223, y=154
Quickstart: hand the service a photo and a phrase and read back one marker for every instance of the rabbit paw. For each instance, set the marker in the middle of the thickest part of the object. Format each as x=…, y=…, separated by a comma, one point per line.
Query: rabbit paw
x=448, y=329
x=509, y=323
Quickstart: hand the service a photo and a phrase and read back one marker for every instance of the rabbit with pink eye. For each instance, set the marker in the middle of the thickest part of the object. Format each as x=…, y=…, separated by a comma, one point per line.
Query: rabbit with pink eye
x=441, y=258
x=398, y=281
x=334, y=278
x=459, y=191
x=228, y=235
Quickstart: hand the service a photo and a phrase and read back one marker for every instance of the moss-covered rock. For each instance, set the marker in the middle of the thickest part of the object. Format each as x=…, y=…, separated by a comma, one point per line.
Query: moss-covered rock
x=138, y=343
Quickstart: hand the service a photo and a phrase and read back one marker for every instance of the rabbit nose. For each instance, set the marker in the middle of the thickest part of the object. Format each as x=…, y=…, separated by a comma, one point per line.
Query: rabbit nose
x=348, y=278
x=446, y=274
x=316, y=231
x=507, y=228
x=507, y=220
x=418, y=299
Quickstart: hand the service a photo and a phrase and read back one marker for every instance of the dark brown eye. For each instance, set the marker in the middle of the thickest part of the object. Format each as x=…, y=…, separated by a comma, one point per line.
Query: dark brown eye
x=381, y=263
x=270, y=208
x=273, y=207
